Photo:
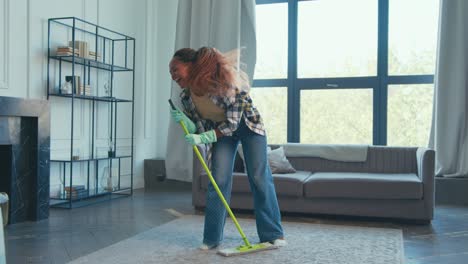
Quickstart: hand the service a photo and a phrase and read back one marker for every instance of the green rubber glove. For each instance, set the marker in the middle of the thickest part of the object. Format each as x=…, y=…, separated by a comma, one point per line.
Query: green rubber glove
x=205, y=138
x=178, y=116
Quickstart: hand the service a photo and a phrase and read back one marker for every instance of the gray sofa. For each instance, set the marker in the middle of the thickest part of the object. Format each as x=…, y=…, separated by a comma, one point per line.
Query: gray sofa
x=393, y=182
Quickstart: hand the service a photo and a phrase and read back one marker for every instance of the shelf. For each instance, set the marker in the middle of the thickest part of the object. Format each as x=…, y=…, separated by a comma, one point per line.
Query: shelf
x=91, y=63
x=90, y=159
x=70, y=20
x=116, y=59
x=92, y=98
x=92, y=193
x=95, y=196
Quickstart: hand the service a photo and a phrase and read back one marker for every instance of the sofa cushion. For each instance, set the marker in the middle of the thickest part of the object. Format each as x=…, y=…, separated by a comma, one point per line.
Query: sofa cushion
x=290, y=184
x=363, y=185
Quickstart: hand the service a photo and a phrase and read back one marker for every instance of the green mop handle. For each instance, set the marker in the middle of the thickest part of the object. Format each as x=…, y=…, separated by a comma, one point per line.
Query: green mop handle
x=213, y=182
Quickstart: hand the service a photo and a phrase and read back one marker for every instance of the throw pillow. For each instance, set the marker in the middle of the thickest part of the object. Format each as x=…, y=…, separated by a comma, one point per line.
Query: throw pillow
x=277, y=159
x=278, y=162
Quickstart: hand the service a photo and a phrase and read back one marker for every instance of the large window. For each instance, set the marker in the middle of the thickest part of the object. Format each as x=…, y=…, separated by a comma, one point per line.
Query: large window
x=346, y=71
x=409, y=114
x=275, y=118
x=325, y=116
x=412, y=36
x=272, y=49
x=334, y=42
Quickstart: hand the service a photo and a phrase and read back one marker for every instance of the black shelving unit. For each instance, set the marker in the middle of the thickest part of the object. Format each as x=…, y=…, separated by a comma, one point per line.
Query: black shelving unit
x=113, y=53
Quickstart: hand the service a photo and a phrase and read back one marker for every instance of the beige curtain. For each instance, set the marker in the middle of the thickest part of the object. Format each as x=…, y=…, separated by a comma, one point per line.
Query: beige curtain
x=449, y=135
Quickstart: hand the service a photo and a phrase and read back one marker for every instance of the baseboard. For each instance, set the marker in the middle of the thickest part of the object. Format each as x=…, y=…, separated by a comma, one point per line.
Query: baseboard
x=451, y=191
x=170, y=185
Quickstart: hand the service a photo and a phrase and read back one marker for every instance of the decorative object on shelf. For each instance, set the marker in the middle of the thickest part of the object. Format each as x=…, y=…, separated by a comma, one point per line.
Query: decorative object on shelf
x=4, y=201
x=111, y=150
x=109, y=180
x=107, y=89
x=76, y=154
x=2, y=244
x=60, y=192
x=74, y=82
x=110, y=143
x=66, y=88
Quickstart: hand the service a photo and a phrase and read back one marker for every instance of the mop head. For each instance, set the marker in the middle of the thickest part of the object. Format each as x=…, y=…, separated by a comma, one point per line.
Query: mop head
x=241, y=250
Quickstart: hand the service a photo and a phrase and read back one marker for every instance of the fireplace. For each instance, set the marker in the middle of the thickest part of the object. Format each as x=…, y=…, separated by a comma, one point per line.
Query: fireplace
x=24, y=157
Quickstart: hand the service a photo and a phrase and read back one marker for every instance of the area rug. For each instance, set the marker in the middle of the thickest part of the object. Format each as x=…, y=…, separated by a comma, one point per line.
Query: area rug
x=177, y=242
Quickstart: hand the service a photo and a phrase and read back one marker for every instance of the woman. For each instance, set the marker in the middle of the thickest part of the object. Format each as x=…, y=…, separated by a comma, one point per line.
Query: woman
x=219, y=111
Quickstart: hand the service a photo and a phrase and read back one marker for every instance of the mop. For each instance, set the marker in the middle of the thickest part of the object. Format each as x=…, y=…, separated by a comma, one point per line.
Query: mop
x=246, y=248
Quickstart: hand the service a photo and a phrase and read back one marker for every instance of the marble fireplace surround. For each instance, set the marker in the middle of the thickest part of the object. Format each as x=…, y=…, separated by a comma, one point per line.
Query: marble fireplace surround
x=25, y=155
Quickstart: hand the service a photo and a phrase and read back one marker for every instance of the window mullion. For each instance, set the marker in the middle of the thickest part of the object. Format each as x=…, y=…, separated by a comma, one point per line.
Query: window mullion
x=380, y=92
x=410, y=79
x=293, y=91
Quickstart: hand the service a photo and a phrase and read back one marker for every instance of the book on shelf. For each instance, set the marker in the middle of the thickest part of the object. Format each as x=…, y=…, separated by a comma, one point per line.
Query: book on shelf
x=76, y=191
x=85, y=89
x=81, y=51
x=74, y=187
x=92, y=55
x=77, y=195
x=66, y=51
x=60, y=53
x=82, y=47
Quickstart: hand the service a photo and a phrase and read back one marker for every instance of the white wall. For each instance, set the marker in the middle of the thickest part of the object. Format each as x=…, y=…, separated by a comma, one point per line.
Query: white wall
x=23, y=71
x=13, y=48
x=166, y=19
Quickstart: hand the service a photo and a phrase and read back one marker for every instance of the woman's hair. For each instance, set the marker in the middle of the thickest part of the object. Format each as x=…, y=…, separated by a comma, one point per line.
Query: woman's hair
x=213, y=72
x=185, y=55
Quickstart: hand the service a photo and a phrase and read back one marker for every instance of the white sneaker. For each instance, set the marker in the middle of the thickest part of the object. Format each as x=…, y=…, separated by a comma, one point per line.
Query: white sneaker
x=280, y=242
x=205, y=247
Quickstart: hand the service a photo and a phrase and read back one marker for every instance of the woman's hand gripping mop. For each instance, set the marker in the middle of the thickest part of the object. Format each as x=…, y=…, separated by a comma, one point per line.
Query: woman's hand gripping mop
x=242, y=249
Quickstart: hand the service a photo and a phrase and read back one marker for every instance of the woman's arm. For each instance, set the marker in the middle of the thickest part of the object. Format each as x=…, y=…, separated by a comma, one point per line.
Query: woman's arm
x=218, y=133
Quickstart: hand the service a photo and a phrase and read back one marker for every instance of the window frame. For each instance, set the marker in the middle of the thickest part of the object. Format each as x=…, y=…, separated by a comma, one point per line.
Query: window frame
x=379, y=84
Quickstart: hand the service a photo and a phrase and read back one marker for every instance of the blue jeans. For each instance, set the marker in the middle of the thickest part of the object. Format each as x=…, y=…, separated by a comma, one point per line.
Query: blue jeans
x=267, y=214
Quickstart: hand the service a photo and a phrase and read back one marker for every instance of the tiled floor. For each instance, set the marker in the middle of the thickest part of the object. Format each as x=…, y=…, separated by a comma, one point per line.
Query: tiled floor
x=68, y=234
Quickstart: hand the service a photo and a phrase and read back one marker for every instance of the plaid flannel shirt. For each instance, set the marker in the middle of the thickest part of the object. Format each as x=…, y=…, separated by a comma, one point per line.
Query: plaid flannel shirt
x=237, y=106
